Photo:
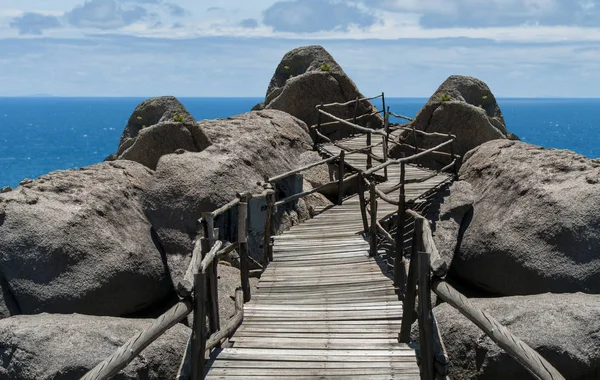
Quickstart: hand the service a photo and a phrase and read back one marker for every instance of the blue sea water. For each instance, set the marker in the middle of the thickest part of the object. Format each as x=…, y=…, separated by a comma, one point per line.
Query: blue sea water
x=39, y=135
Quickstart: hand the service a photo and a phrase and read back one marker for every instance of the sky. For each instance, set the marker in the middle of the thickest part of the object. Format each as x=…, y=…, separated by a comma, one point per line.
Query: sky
x=230, y=48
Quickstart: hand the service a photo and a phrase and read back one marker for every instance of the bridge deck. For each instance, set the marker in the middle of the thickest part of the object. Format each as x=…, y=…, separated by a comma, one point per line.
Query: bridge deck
x=324, y=308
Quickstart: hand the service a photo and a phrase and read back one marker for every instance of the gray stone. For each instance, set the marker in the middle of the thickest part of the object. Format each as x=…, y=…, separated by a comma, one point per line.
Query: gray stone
x=246, y=149
x=65, y=347
x=77, y=241
x=535, y=226
x=308, y=76
x=8, y=305
x=563, y=328
x=463, y=106
x=160, y=126
x=6, y=189
x=447, y=213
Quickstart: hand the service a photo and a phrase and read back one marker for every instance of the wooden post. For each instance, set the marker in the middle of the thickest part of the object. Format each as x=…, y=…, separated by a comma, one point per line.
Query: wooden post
x=267, y=247
x=373, y=228
x=408, y=307
x=316, y=136
x=355, y=110
x=341, y=178
x=243, y=244
x=363, y=203
x=383, y=103
x=213, y=289
x=415, y=140
x=369, y=151
x=199, y=330
x=452, y=157
x=399, y=263
x=386, y=138
x=425, y=317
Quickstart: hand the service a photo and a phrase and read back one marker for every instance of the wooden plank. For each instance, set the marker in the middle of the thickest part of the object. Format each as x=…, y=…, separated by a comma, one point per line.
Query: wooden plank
x=316, y=364
x=296, y=377
x=276, y=372
x=267, y=353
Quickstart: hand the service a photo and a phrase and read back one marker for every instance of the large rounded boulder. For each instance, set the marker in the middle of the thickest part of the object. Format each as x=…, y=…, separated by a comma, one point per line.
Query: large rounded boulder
x=77, y=241
x=308, y=76
x=66, y=347
x=463, y=106
x=246, y=149
x=563, y=328
x=535, y=225
x=160, y=126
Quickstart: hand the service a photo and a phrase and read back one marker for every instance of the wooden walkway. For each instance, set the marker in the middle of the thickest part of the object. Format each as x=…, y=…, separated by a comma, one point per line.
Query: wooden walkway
x=324, y=308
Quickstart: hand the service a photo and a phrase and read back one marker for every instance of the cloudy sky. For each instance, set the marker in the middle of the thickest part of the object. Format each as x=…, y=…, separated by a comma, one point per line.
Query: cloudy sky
x=521, y=48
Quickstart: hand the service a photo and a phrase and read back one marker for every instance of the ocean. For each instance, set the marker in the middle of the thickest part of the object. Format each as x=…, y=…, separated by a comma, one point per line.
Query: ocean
x=39, y=135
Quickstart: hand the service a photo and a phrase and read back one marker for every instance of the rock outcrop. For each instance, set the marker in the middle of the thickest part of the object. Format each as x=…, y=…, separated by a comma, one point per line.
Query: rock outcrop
x=160, y=126
x=77, y=241
x=463, y=106
x=308, y=76
x=61, y=347
x=246, y=149
x=563, y=328
x=535, y=226
x=449, y=212
x=8, y=305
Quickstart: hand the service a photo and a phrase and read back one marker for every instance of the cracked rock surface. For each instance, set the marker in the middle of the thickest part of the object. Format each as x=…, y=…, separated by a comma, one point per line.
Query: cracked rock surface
x=77, y=241
x=64, y=347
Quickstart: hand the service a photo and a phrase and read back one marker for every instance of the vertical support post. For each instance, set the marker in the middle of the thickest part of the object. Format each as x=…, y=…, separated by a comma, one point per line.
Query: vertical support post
x=267, y=247
x=341, y=178
x=355, y=110
x=383, y=102
x=199, y=330
x=213, y=289
x=452, y=157
x=408, y=307
x=425, y=318
x=243, y=244
x=363, y=203
x=315, y=136
x=369, y=151
x=415, y=140
x=399, y=262
x=373, y=228
x=386, y=138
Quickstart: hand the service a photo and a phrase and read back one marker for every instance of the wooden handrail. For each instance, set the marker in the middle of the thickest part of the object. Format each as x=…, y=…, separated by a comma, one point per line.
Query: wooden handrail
x=420, y=132
x=439, y=153
x=303, y=168
x=533, y=362
x=400, y=116
x=350, y=119
x=132, y=348
x=357, y=127
x=225, y=208
x=406, y=159
x=349, y=102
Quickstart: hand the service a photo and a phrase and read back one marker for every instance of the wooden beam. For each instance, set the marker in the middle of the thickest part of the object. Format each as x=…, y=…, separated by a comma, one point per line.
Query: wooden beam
x=243, y=244
x=132, y=348
x=411, y=285
x=341, y=178
x=425, y=318
x=533, y=362
x=199, y=327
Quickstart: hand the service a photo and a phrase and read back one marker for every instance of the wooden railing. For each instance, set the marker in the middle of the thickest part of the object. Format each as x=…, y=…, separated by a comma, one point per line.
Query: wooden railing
x=426, y=274
x=198, y=290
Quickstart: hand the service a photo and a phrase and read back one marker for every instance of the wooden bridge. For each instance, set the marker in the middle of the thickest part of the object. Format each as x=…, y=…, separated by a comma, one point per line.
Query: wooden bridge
x=336, y=299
